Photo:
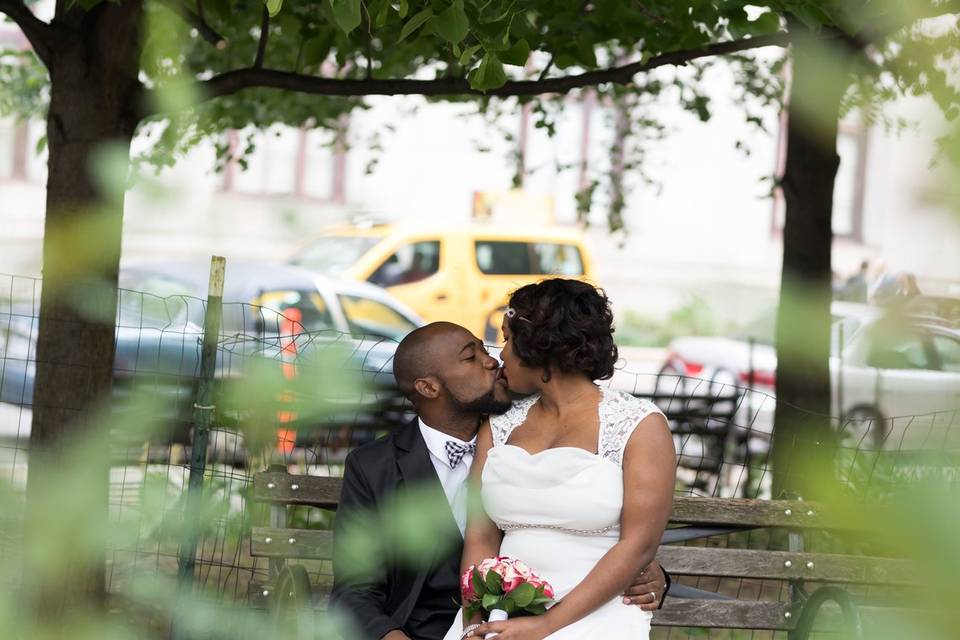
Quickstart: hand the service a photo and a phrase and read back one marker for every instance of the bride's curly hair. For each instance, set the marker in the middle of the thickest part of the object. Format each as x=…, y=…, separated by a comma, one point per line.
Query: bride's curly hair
x=564, y=325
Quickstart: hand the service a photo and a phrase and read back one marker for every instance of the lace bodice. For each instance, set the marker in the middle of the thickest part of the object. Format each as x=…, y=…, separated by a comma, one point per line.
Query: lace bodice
x=619, y=415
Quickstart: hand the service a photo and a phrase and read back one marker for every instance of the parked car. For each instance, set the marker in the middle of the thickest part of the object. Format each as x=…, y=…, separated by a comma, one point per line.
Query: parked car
x=891, y=375
x=747, y=357
x=458, y=273
x=159, y=334
x=257, y=298
x=162, y=354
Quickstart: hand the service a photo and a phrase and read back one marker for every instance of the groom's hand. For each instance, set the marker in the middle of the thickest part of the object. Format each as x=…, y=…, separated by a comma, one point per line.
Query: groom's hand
x=647, y=589
x=396, y=634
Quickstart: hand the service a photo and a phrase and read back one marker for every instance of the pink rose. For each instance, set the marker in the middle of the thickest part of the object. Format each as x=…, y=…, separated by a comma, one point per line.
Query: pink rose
x=511, y=579
x=523, y=569
x=486, y=565
x=466, y=585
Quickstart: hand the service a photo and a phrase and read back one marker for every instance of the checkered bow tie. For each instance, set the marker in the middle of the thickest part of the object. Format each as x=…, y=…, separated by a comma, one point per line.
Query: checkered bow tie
x=456, y=451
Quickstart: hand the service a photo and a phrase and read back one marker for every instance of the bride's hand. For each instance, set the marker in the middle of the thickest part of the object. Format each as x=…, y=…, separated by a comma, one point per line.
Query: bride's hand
x=526, y=628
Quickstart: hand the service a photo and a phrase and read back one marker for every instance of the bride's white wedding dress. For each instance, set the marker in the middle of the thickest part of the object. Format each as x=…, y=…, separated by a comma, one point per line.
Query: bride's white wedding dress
x=560, y=509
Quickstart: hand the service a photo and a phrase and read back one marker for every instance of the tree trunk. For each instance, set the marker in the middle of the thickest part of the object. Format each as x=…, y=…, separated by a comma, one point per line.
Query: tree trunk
x=94, y=94
x=802, y=444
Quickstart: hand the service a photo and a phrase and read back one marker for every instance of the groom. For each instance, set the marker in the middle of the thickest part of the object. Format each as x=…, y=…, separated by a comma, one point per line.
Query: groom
x=452, y=382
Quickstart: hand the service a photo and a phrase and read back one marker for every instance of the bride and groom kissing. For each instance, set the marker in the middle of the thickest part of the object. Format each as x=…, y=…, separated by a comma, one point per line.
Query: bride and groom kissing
x=575, y=480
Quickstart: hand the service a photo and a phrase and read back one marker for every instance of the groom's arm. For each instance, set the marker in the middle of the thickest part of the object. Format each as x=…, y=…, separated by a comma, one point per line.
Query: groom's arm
x=359, y=570
x=649, y=589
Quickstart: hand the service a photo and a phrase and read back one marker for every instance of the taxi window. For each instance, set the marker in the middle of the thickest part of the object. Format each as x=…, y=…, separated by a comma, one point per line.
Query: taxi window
x=498, y=257
x=412, y=262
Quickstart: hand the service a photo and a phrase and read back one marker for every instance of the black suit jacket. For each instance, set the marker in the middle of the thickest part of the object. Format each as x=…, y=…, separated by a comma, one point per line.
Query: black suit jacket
x=380, y=601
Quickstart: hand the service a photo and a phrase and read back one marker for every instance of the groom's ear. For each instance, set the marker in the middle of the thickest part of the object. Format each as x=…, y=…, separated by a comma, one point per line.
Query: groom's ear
x=428, y=387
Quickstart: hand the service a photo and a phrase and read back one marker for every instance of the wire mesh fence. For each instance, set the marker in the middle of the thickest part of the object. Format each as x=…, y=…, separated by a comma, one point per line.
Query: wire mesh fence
x=303, y=399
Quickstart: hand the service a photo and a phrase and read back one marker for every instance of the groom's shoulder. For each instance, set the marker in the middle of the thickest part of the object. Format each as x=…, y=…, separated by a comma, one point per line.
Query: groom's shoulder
x=379, y=449
x=374, y=450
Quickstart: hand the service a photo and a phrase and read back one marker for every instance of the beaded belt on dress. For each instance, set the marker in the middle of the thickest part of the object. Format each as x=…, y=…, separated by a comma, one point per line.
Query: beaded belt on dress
x=507, y=526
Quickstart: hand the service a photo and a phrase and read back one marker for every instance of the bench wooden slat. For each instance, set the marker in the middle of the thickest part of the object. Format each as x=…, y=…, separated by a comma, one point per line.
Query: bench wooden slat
x=771, y=616
x=822, y=567
x=306, y=543
x=723, y=614
x=260, y=595
x=283, y=488
x=746, y=513
x=278, y=487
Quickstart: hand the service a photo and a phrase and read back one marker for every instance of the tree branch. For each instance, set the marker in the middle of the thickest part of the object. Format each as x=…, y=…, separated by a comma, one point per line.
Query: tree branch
x=231, y=82
x=197, y=21
x=264, y=34
x=39, y=33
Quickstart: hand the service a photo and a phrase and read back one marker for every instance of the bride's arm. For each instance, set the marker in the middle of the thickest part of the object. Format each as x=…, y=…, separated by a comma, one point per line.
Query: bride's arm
x=648, y=484
x=482, y=539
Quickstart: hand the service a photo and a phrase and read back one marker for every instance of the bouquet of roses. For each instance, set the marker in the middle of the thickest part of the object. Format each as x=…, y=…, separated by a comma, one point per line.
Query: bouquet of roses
x=506, y=585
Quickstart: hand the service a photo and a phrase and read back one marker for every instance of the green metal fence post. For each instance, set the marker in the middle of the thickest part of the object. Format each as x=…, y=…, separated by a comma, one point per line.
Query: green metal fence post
x=202, y=415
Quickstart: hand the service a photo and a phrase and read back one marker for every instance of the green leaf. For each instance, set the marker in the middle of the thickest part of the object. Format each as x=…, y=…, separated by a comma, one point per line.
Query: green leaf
x=381, y=19
x=508, y=605
x=524, y=594
x=811, y=15
x=517, y=54
x=452, y=25
x=478, y=584
x=766, y=23
x=536, y=609
x=701, y=104
x=586, y=55
x=346, y=13
x=317, y=49
x=489, y=75
x=489, y=600
x=273, y=6
x=494, y=583
x=468, y=54
x=415, y=23
x=404, y=8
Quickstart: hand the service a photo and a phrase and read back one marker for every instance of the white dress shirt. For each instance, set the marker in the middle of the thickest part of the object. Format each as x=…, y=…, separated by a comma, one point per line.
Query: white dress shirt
x=454, y=480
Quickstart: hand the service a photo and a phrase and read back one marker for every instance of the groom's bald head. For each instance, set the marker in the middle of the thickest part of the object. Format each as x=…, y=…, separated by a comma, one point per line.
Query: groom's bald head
x=420, y=354
x=444, y=368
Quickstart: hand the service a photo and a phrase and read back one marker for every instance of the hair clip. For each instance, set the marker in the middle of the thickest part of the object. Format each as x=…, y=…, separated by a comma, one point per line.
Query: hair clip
x=511, y=313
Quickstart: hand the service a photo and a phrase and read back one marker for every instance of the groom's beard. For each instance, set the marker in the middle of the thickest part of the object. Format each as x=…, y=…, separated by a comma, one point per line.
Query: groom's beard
x=487, y=404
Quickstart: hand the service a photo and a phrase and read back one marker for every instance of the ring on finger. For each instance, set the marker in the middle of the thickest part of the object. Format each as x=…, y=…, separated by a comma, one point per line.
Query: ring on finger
x=654, y=594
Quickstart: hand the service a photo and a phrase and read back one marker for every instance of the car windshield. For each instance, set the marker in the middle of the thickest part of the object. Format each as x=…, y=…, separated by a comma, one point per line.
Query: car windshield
x=333, y=254
x=155, y=301
x=763, y=329
x=368, y=317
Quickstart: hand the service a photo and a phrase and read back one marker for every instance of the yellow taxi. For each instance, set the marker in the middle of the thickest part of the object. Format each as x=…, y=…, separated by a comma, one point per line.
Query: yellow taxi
x=460, y=273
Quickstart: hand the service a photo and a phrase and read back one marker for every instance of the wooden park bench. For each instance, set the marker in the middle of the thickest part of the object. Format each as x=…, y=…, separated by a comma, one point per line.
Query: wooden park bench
x=814, y=579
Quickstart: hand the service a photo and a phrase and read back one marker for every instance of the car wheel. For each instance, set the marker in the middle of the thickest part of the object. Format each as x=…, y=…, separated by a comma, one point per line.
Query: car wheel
x=862, y=425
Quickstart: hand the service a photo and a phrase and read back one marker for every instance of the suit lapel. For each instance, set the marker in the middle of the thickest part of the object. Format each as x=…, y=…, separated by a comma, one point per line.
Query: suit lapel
x=417, y=472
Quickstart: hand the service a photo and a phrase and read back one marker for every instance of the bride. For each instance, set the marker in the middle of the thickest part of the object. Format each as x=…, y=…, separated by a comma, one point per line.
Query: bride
x=576, y=480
